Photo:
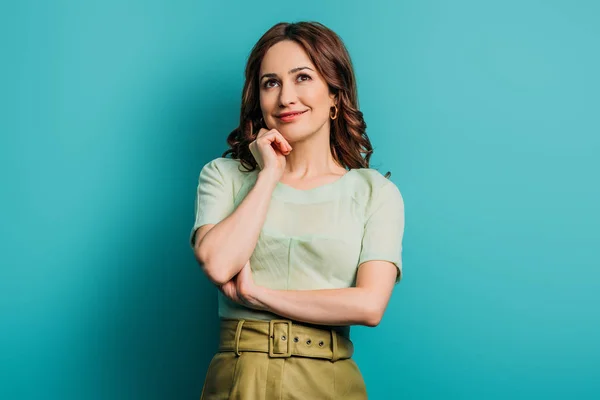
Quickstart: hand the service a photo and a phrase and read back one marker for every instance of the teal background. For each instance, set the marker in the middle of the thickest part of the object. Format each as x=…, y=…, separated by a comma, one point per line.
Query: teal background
x=485, y=112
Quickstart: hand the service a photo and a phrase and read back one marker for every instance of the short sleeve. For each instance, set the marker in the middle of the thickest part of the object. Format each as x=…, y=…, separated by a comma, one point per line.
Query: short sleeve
x=384, y=228
x=214, y=196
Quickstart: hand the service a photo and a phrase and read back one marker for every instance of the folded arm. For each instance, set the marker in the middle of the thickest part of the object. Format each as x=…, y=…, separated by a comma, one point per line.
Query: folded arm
x=360, y=305
x=222, y=248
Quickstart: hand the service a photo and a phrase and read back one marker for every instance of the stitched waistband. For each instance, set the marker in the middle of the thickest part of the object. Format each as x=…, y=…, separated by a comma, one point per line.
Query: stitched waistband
x=282, y=338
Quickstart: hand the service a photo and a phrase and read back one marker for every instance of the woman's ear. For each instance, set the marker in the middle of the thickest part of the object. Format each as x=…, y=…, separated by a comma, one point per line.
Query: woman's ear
x=334, y=99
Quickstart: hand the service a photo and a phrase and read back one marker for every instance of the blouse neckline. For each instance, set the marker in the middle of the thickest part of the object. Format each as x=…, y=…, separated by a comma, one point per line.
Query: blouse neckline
x=318, y=193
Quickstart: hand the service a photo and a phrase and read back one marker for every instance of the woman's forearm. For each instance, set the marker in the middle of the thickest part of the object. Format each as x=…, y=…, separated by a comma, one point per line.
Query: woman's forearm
x=225, y=249
x=349, y=306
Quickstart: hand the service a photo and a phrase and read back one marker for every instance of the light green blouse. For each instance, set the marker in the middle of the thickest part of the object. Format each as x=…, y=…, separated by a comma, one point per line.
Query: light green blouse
x=311, y=239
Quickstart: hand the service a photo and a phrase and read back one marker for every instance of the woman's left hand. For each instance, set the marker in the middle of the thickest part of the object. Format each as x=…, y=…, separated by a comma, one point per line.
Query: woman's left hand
x=242, y=289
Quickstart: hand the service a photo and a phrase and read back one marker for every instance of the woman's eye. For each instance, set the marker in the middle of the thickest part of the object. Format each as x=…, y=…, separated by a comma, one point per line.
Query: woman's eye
x=272, y=82
x=266, y=84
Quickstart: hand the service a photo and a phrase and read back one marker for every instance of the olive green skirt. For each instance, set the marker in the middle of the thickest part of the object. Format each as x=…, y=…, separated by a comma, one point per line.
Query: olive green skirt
x=281, y=359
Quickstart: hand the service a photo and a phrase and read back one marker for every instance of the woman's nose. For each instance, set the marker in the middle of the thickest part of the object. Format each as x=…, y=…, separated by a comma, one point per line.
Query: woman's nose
x=287, y=95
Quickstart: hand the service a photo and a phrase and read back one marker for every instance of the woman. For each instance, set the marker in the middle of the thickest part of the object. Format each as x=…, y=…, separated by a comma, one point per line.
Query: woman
x=302, y=238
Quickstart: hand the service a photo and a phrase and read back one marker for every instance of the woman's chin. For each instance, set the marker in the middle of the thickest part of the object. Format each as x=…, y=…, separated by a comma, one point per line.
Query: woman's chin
x=293, y=131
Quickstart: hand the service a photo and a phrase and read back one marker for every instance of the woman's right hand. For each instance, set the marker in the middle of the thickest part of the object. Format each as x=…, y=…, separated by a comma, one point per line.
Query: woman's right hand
x=269, y=150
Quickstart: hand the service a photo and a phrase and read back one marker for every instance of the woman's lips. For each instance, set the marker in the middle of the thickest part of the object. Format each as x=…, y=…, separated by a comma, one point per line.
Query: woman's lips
x=291, y=117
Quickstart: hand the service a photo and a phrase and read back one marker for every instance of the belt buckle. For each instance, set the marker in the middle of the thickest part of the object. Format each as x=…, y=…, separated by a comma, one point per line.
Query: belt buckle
x=272, y=323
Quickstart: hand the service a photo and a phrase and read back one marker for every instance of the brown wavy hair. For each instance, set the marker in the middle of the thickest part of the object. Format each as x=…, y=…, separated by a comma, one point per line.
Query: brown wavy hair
x=350, y=145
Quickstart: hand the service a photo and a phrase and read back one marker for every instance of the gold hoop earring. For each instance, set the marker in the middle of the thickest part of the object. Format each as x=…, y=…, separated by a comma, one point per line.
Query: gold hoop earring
x=336, y=113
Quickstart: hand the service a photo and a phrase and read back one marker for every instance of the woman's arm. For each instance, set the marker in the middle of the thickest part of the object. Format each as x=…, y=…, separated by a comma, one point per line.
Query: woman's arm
x=224, y=249
x=360, y=305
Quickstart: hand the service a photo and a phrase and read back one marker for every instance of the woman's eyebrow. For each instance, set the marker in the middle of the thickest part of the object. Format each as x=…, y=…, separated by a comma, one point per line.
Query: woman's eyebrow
x=291, y=71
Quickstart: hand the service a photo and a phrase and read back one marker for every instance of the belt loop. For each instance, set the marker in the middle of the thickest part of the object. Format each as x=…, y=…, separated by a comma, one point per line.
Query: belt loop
x=334, y=347
x=238, y=332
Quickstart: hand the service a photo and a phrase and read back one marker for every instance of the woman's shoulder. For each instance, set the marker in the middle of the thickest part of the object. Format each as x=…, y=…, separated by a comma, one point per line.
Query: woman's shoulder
x=227, y=166
x=223, y=163
x=226, y=170
x=370, y=185
x=371, y=179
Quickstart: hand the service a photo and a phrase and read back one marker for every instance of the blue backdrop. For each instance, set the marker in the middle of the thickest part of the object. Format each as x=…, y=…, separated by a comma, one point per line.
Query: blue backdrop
x=485, y=112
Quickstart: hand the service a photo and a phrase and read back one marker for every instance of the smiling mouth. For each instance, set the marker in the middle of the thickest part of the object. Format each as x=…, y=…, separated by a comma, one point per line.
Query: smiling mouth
x=291, y=115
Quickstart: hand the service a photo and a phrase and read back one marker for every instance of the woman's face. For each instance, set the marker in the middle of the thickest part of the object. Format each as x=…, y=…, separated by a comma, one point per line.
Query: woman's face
x=289, y=82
